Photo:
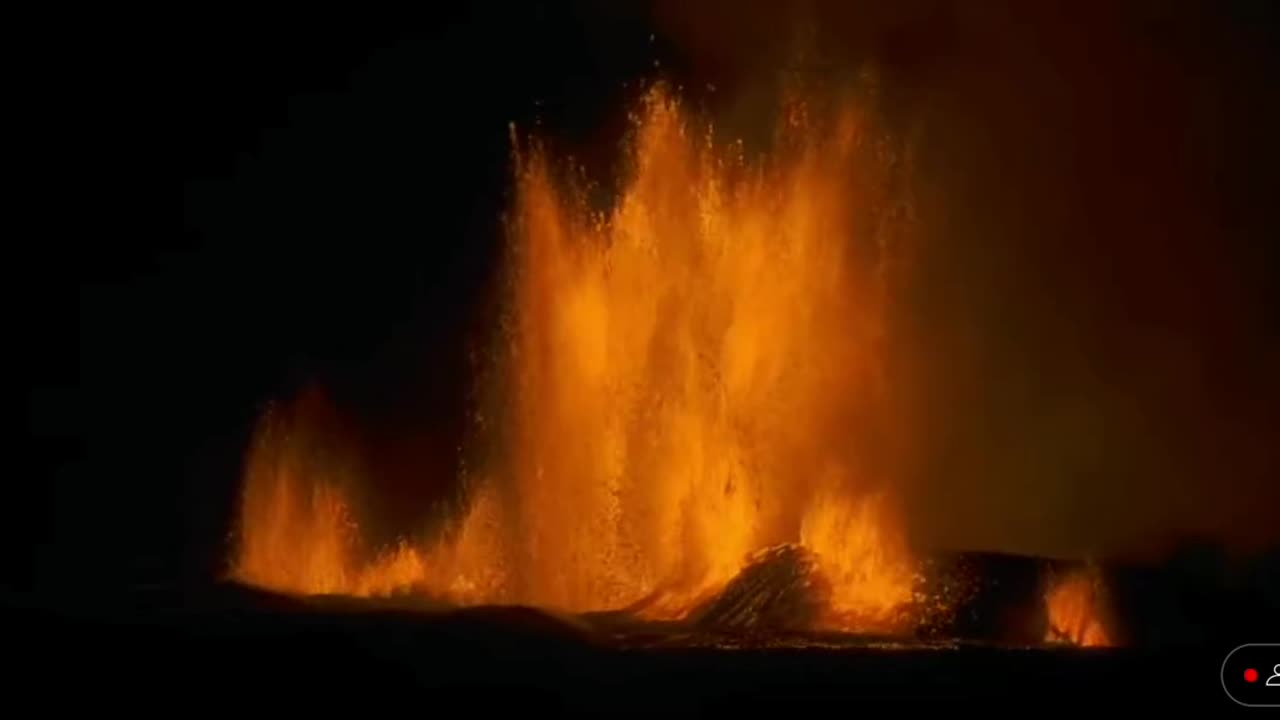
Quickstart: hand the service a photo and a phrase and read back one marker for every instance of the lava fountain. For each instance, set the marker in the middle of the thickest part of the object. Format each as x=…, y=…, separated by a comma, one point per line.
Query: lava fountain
x=1074, y=605
x=692, y=375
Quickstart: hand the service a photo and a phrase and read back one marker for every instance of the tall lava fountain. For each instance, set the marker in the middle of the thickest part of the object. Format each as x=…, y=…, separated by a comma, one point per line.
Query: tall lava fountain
x=694, y=374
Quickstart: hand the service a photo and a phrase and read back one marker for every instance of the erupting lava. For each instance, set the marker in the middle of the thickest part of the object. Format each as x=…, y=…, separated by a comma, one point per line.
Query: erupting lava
x=1074, y=608
x=688, y=377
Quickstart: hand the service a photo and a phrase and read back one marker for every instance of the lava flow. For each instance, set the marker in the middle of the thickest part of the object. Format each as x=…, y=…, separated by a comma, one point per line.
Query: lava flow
x=689, y=377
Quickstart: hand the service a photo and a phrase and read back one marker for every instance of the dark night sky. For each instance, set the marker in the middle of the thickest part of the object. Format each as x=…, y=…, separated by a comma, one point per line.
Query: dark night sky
x=1093, y=331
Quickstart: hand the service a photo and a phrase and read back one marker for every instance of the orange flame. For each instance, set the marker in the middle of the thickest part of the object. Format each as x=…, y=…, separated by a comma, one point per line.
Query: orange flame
x=868, y=569
x=1073, y=604
x=690, y=377
x=296, y=529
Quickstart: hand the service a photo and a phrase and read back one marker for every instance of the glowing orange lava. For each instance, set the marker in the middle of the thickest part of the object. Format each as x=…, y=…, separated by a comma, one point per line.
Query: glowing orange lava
x=688, y=377
x=1073, y=605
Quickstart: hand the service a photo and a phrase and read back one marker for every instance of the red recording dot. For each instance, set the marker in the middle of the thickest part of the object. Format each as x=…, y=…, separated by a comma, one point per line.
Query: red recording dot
x=1251, y=675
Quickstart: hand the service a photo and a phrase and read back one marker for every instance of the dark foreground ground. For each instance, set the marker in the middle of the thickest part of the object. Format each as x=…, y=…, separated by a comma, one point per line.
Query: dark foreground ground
x=238, y=648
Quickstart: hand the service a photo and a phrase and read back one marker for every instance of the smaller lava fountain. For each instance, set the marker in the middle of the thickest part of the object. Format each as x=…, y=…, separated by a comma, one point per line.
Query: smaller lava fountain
x=1074, y=605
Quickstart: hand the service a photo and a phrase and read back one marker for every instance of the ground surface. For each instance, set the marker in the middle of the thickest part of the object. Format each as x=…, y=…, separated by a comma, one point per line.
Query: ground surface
x=244, y=649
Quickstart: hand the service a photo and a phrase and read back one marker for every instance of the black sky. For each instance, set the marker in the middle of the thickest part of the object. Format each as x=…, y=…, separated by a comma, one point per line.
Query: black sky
x=1093, y=325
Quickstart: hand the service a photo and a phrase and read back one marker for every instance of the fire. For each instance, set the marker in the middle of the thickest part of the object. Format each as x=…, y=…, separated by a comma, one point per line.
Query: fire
x=297, y=531
x=864, y=564
x=689, y=376
x=1073, y=605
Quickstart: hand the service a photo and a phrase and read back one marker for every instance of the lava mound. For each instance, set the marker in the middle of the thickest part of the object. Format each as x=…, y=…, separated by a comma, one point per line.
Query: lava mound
x=779, y=589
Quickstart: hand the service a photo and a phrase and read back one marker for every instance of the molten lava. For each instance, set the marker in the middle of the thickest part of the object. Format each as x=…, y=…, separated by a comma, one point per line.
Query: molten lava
x=692, y=375
x=1074, y=607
